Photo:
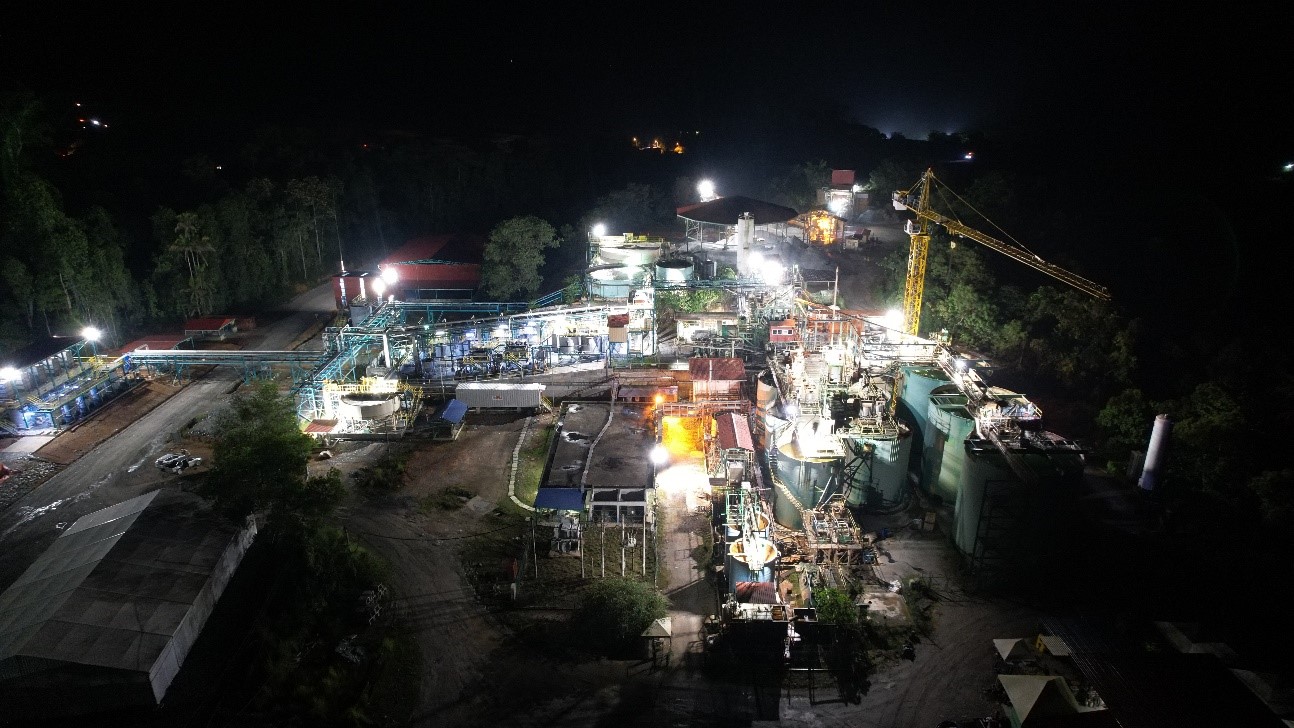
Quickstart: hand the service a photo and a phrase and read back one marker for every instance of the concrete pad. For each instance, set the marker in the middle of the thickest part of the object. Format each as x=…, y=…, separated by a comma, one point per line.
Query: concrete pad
x=26, y=445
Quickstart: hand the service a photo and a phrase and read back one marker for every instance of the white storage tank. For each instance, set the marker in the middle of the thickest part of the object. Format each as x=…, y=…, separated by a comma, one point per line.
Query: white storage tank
x=674, y=270
x=369, y=406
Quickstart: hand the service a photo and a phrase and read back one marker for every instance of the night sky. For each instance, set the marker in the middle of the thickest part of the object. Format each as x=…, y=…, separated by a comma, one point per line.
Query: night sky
x=189, y=70
x=1172, y=120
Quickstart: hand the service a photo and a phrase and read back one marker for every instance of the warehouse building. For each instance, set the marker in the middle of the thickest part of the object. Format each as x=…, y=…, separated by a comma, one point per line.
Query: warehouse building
x=104, y=618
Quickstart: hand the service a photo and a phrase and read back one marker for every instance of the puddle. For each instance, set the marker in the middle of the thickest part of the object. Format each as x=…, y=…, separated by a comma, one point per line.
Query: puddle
x=578, y=438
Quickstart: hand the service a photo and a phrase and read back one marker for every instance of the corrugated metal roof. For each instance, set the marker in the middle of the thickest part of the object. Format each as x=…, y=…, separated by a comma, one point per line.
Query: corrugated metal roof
x=726, y=210
x=561, y=499
x=115, y=587
x=717, y=369
x=321, y=427
x=734, y=431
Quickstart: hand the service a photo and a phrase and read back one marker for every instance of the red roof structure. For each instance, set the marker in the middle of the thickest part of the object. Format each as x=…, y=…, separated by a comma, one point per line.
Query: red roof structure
x=842, y=178
x=437, y=262
x=734, y=432
x=158, y=342
x=717, y=369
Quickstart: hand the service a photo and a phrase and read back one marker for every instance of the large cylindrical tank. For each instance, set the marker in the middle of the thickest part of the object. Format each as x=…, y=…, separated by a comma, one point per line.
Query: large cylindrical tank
x=914, y=395
x=611, y=282
x=589, y=345
x=674, y=270
x=369, y=406
x=808, y=480
x=982, y=472
x=949, y=424
x=883, y=480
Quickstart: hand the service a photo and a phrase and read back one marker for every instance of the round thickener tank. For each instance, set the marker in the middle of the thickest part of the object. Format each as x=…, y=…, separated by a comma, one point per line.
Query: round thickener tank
x=674, y=270
x=943, y=459
x=369, y=406
x=611, y=282
x=805, y=475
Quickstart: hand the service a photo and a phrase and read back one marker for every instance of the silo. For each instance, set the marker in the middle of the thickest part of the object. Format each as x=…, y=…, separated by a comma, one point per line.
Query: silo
x=943, y=458
x=806, y=474
x=914, y=397
x=674, y=270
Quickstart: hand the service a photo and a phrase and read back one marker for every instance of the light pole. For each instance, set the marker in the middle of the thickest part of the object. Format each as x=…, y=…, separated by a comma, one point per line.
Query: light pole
x=92, y=335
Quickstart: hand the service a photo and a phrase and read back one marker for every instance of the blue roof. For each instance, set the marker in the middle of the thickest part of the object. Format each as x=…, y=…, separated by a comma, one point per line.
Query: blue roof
x=561, y=499
x=453, y=412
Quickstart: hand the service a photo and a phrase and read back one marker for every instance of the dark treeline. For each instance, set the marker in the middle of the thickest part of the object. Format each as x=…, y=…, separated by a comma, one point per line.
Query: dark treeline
x=131, y=233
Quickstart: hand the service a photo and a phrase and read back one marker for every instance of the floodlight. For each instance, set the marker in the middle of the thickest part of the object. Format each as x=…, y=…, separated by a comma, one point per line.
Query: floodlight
x=390, y=275
x=379, y=287
x=755, y=260
x=790, y=410
x=893, y=319
x=705, y=188
x=659, y=455
x=9, y=374
x=772, y=271
x=599, y=230
x=90, y=333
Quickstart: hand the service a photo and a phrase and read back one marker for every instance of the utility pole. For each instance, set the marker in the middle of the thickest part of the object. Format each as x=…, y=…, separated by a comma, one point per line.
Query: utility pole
x=603, y=530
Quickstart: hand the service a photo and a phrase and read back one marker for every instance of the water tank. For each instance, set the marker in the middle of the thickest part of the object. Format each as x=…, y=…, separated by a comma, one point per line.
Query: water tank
x=674, y=270
x=589, y=345
x=567, y=344
x=611, y=282
x=369, y=406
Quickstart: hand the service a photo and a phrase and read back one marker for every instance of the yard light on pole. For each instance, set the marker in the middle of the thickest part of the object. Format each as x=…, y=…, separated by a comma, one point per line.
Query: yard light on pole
x=659, y=455
x=379, y=287
x=599, y=230
x=705, y=188
x=92, y=335
x=390, y=275
x=9, y=374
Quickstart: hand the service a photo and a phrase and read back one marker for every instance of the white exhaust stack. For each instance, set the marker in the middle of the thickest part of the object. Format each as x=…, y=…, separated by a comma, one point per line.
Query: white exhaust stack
x=1156, y=453
x=745, y=237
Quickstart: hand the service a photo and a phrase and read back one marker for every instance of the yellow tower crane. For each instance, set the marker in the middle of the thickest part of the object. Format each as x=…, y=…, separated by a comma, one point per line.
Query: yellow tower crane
x=917, y=199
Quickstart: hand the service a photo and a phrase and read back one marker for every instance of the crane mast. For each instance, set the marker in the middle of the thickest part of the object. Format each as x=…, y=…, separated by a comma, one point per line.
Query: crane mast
x=917, y=199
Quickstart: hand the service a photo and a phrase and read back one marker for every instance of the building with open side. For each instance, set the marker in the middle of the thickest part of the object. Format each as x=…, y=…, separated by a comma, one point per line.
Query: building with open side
x=104, y=618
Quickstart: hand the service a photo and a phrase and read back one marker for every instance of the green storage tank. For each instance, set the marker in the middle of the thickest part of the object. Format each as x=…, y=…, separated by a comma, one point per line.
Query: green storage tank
x=943, y=458
x=881, y=481
x=914, y=397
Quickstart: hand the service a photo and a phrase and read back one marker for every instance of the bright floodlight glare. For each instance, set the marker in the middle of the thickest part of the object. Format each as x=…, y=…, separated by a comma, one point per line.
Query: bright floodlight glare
x=838, y=205
x=659, y=455
x=90, y=333
x=379, y=287
x=9, y=374
x=893, y=319
x=705, y=188
x=390, y=275
x=789, y=410
x=599, y=230
x=772, y=271
x=755, y=260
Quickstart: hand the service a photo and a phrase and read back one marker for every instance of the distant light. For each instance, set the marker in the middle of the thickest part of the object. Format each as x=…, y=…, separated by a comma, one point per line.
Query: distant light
x=10, y=374
x=95, y=122
x=90, y=333
x=599, y=230
x=659, y=455
x=1289, y=167
x=442, y=332
x=390, y=275
x=379, y=287
x=705, y=188
x=960, y=365
x=969, y=155
x=772, y=272
x=218, y=168
x=856, y=189
x=78, y=103
x=755, y=260
x=838, y=206
x=660, y=398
